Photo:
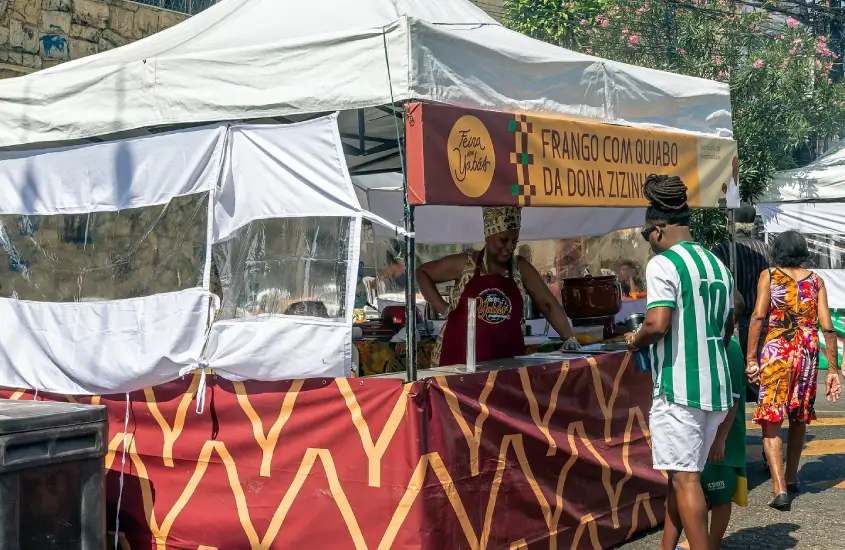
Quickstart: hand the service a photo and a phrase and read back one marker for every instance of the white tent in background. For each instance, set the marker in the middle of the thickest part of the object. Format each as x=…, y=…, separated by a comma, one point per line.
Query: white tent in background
x=811, y=200
x=808, y=199
x=255, y=59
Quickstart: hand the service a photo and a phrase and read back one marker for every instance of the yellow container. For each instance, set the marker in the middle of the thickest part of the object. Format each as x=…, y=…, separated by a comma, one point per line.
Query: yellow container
x=588, y=335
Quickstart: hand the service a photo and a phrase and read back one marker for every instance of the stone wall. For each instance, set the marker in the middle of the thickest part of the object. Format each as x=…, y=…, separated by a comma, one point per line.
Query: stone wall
x=494, y=8
x=37, y=34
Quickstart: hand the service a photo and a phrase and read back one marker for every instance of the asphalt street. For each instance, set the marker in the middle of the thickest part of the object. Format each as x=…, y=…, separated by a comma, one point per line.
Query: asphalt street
x=817, y=517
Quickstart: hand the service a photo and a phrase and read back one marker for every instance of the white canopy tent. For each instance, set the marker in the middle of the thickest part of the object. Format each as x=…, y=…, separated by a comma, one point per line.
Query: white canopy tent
x=811, y=200
x=257, y=59
x=808, y=199
x=271, y=61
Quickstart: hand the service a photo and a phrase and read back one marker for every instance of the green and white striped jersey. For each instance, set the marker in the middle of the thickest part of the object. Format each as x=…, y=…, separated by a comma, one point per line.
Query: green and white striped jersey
x=690, y=363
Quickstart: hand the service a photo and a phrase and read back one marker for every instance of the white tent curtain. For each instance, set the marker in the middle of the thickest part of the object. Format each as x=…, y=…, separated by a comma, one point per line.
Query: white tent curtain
x=95, y=346
x=110, y=176
x=101, y=347
x=291, y=171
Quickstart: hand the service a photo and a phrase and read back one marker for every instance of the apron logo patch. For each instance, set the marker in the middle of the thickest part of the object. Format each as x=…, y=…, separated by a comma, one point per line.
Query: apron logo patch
x=493, y=306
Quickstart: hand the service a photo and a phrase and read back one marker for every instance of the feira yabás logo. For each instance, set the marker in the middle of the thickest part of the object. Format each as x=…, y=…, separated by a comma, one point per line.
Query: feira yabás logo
x=493, y=306
x=472, y=160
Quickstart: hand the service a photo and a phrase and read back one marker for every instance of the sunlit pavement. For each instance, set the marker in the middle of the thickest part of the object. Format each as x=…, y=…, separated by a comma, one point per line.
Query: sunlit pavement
x=817, y=518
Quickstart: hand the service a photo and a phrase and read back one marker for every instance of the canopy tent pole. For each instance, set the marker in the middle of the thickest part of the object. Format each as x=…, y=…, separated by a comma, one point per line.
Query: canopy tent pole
x=732, y=233
x=410, y=297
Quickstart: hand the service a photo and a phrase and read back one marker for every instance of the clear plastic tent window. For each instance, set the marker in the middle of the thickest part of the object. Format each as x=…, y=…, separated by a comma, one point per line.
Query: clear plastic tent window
x=293, y=266
x=104, y=255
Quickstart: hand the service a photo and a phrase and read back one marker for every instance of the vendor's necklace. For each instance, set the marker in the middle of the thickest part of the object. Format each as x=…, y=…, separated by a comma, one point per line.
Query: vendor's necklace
x=486, y=267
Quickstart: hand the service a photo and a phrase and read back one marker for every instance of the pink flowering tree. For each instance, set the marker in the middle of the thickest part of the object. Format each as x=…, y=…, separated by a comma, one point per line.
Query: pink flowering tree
x=783, y=91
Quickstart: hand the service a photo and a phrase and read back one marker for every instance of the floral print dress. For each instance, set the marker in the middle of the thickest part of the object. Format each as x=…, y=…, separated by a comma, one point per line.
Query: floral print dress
x=790, y=359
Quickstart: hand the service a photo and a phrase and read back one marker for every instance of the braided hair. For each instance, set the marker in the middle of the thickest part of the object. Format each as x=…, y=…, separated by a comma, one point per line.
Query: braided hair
x=667, y=196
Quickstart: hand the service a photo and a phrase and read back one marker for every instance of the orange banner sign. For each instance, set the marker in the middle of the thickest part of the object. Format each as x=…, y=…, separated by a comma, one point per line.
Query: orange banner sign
x=464, y=157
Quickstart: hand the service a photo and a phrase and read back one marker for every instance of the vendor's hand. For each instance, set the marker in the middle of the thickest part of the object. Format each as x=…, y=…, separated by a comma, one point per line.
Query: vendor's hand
x=717, y=451
x=570, y=344
x=833, y=386
x=629, y=341
x=752, y=371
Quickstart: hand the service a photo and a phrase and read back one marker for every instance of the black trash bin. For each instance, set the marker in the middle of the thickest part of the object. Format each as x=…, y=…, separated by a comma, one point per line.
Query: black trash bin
x=52, y=477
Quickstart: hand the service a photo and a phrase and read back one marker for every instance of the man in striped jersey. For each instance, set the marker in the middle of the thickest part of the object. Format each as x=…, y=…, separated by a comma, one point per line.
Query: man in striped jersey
x=687, y=328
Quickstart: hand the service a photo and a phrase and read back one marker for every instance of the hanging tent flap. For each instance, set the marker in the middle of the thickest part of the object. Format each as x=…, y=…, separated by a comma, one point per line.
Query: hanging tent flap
x=111, y=176
x=295, y=170
x=109, y=257
x=286, y=239
x=101, y=347
x=821, y=218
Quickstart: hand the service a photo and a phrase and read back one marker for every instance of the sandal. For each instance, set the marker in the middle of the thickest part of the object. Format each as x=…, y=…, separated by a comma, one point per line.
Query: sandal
x=780, y=502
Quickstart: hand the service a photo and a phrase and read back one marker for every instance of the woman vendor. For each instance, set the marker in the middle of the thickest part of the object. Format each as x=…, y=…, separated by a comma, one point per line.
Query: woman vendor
x=497, y=280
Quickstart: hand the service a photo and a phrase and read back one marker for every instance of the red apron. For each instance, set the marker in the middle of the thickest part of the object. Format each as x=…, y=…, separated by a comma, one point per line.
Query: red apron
x=498, y=328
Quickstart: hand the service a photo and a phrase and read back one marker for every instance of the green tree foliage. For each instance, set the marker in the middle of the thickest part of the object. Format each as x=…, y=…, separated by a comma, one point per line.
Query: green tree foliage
x=783, y=94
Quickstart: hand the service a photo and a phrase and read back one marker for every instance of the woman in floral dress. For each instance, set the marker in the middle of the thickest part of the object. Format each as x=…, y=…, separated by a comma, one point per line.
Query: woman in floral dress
x=794, y=301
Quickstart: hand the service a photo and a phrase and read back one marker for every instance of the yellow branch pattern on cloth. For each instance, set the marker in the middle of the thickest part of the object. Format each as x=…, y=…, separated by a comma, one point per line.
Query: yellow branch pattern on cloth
x=473, y=437
x=643, y=499
x=268, y=442
x=607, y=405
x=375, y=452
x=172, y=434
x=534, y=408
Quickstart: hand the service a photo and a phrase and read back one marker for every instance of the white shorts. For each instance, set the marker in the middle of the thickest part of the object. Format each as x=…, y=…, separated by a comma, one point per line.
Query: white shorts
x=681, y=436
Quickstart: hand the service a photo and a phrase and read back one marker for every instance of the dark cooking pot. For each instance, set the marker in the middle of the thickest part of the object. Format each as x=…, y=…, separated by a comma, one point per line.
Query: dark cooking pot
x=591, y=296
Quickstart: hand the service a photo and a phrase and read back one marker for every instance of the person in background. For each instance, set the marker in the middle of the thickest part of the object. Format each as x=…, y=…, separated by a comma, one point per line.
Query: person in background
x=497, y=280
x=752, y=258
x=554, y=285
x=724, y=479
x=524, y=252
x=571, y=258
x=794, y=301
x=629, y=278
x=394, y=274
x=361, y=294
x=688, y=326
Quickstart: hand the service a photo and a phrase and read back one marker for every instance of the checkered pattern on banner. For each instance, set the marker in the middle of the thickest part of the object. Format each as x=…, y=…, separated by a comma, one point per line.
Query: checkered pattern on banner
x=523, y=189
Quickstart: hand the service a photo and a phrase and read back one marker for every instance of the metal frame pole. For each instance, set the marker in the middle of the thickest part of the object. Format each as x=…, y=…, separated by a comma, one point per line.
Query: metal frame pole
x=732, y=227
x=410, y=296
